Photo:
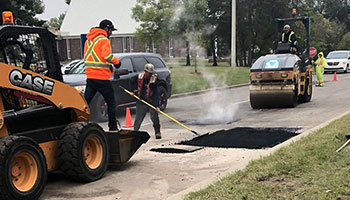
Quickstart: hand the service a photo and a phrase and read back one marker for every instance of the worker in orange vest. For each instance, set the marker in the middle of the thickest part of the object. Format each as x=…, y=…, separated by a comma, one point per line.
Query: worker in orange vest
x=98, y=60
x=147, y=90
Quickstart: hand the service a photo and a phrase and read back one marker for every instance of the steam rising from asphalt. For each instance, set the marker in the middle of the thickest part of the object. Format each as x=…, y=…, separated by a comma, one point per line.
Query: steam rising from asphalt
x=216, y=106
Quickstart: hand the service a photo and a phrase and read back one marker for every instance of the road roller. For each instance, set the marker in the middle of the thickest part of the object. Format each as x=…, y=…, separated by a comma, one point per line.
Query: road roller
x=284, y=78
x=44, y=123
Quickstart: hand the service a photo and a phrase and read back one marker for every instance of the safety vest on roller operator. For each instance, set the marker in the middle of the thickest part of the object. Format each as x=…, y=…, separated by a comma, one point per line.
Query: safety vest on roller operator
x=140, y=84
x=98, y=55
x=289, y=37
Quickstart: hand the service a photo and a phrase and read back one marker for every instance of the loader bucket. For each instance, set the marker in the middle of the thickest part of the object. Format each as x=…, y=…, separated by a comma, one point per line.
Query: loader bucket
x=123, y=144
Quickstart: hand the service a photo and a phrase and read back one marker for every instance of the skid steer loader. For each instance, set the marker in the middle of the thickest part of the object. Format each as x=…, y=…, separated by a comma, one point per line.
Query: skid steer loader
x=44, y=122
x=284, y=78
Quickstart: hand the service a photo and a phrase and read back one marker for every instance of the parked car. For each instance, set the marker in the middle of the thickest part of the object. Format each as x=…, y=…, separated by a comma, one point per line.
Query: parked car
x=131, y=65
x=338, y=61
x=69, y=65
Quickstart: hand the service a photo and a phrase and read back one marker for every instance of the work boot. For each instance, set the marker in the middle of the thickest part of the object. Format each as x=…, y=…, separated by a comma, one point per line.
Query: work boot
x=114, y=126
x=158, y=135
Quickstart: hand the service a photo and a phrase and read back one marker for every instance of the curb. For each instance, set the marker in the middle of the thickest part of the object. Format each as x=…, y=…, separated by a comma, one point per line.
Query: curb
x=208, y=90
x=205, y=183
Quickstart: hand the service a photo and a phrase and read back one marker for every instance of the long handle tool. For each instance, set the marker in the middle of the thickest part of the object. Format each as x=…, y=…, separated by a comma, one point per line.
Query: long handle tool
x=344, y=145
x=154, y=108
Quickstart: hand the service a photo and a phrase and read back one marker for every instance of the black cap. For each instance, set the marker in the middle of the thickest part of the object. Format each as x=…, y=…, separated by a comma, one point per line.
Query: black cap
x=106, y=24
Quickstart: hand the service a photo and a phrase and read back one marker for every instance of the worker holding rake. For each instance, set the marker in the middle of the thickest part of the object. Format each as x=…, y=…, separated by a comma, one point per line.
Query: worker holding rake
x=147, y=90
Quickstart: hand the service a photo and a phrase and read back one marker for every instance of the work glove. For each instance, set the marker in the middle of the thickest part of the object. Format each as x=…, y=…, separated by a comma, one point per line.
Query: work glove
x=118, y=65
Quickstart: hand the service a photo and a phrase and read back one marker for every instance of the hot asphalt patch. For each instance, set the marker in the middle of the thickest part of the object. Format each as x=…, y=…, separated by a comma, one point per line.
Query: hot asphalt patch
x=244, y=137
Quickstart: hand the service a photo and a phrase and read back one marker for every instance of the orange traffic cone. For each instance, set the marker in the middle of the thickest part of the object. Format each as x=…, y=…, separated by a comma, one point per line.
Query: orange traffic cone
x=335, y=76
x=128, y=121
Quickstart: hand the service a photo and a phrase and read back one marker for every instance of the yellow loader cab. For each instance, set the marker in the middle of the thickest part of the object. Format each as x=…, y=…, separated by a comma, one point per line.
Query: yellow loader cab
x=44, y=122
x=282, y=79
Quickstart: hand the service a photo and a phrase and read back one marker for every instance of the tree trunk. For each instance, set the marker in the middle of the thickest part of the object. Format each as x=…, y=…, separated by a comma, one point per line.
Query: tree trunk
x=240, y=60
x=213, y=49
x=245, y=58
x=188, y=59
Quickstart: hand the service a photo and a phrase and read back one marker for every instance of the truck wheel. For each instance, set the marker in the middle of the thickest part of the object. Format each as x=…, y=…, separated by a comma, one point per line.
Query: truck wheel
x=99, y=110
x=163, y=98
x=308, y=92
x=23, y=170
x=84, y=152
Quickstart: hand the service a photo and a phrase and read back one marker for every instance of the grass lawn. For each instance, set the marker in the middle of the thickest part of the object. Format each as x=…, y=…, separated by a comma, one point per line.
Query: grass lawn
x=185, y=79
x=307, y=169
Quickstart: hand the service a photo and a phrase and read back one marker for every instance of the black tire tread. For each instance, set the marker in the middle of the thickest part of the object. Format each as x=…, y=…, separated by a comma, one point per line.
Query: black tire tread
x=161, y=87
x=306, y=98
x=68, y=150
x=5, y=145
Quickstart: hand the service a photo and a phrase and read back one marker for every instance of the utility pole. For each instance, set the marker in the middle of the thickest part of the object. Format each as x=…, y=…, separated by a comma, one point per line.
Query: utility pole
x=233, y=35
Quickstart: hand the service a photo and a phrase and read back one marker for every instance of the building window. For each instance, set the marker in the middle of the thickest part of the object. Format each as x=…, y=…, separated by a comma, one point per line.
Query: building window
x=69, y=57
x=131, y=44
x=124, y=45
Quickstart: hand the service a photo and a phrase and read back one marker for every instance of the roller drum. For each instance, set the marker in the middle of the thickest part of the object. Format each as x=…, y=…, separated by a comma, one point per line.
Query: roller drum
x=272, y=98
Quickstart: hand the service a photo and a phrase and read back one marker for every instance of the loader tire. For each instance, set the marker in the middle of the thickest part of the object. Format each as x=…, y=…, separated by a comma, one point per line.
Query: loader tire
x=23, y=170
x=84, y=151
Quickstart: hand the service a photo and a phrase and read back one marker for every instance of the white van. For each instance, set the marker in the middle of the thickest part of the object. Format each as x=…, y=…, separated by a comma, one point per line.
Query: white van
x=338, y=61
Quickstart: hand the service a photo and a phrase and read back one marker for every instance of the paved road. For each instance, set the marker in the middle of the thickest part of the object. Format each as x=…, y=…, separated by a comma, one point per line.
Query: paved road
x=154, y=175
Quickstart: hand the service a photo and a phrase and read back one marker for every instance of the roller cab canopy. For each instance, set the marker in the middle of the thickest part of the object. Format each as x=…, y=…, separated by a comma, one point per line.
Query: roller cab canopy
x=275, y=62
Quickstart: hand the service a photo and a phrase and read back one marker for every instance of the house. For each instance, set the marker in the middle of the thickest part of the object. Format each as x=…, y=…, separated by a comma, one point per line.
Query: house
x=85, y=14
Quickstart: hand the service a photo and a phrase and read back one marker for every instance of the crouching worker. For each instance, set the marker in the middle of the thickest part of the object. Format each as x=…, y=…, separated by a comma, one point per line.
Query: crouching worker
x=147, y=90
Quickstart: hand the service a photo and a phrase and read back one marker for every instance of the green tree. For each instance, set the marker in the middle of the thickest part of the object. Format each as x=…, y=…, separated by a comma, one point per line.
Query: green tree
x=55, y=22
x=337, y=10
x=219, y=13
x=24, y=11
x=344, y=42
x=154, y=17
x=194, y=25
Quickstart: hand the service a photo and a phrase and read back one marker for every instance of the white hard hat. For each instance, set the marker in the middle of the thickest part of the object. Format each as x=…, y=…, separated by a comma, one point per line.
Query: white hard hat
x=149, y=68
x=286, y=27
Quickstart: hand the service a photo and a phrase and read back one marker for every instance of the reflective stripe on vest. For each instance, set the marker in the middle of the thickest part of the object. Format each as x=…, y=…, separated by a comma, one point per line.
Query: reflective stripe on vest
x=91, y=52
x=140, y=84
x=109, y=58
x=289, y=38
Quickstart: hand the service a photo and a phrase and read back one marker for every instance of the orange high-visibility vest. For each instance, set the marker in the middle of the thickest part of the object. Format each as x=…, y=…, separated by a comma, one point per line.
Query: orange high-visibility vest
x=140, y=79
x=98, y=55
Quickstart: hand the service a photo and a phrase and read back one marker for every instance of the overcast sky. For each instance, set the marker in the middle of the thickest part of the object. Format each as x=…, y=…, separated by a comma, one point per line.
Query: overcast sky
x=53, y=8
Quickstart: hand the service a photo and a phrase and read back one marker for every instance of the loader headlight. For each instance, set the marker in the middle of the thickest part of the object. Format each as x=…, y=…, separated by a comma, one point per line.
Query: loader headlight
x=258, y=76
x=80, y=89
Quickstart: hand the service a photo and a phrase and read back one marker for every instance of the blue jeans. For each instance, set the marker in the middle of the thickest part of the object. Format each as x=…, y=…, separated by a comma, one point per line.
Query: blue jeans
x=104, y=87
